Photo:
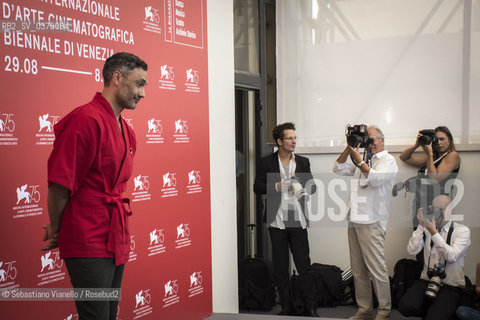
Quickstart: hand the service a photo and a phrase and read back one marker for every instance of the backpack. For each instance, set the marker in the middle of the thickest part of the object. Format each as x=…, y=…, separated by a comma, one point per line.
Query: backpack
x=303, y=293
x=320, y=286
x=405, y=272
x=330, y=288
x=256, y=290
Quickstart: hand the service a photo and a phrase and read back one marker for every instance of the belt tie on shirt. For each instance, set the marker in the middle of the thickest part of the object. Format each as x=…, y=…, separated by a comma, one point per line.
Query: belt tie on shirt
x=118, y=227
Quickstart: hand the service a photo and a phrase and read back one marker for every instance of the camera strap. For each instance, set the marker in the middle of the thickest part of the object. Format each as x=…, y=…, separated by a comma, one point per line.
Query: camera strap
x=435, y=162
x=449, y=239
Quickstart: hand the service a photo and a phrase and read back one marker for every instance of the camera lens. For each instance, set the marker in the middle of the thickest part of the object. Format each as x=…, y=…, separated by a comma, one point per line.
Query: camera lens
x=433, y=287
x=354, y=140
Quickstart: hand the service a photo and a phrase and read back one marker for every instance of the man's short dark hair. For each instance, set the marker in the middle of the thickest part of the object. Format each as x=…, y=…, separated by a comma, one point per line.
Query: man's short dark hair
x=278, y=130
x=124, y=62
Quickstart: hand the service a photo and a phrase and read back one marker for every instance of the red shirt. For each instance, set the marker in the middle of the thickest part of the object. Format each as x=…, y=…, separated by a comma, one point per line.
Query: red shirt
x=94, y=161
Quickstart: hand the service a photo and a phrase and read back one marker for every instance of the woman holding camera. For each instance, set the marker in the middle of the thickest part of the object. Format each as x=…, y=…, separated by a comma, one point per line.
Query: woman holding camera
x=439, y=164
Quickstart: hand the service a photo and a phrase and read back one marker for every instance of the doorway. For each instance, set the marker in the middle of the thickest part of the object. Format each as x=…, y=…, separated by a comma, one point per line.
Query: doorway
x=246, y=145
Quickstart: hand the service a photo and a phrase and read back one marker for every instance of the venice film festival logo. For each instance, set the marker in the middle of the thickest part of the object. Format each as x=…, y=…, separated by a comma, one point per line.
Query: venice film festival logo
x=154, y=126
x=195, y=284
x=141, y=184
x=169, y=188
x=194, y=179
x=181, y=126
x=152, y=14
x=157, y=239
x=72, y=317
x=23, y=194
x=155, y=129
x=192, y=80
x=8, y=273
x=51, y=268
x=45, y=124
x=142, y=303
x=181, y=131
x=167, y=75
x=171, y=290
x=45, y=135
x=7, y=128
x=151, y=22
x=183, y=236
x=7, y=124
x=28, y=197
x=192, y=76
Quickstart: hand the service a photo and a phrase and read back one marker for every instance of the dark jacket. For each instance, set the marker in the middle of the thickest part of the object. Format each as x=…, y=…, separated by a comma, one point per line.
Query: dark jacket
x=268, y=174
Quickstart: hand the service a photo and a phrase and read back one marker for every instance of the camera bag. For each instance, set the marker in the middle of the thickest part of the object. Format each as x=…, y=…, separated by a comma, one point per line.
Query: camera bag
x=320, y=286
x=405, y=273
x=256, y=290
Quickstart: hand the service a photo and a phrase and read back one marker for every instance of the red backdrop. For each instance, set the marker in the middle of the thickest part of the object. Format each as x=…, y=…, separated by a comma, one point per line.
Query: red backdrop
x=45, y=74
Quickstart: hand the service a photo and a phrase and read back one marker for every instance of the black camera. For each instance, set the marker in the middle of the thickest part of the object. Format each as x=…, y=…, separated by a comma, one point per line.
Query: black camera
x=358, y=135
x=428, y=136
x=435, y=275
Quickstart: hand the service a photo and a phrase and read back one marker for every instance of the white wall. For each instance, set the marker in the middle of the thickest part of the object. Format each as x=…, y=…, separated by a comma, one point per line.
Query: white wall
x=330, y=245
x=378, y=62
x=222, y=155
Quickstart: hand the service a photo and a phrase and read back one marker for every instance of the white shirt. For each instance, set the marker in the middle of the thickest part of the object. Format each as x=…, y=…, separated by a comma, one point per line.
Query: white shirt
x=288, y=199
x=369, y=200
x=454, y=254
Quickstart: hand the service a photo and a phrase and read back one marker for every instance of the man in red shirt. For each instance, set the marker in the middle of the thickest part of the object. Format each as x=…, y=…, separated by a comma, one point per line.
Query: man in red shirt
x=88, y=170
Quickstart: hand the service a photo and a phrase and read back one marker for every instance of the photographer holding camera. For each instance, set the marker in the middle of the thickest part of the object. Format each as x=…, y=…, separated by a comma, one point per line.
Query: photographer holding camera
x=438, y=165
x=437, y=295
x=282, y=176
x=368, y=216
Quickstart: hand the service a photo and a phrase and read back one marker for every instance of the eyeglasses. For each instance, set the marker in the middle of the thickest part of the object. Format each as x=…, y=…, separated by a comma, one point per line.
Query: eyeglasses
x=290, y=138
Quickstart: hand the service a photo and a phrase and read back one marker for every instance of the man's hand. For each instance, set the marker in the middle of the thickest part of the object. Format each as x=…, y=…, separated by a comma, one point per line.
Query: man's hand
x=57, y=199
x=51, y=236
x=355, y=153
x=284, y=185
x=426, y=223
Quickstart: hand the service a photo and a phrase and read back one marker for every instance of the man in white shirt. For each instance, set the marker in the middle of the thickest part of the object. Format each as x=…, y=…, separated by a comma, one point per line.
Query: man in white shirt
x=445, y=246
x=368, y=217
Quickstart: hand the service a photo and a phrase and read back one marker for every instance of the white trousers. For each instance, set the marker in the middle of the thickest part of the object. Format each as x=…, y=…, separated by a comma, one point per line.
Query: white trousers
x=367, y=259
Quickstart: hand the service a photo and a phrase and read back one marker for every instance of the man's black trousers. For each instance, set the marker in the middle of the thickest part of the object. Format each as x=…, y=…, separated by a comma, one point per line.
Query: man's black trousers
x=415, y=304
x=295, y=239
x=95, y=273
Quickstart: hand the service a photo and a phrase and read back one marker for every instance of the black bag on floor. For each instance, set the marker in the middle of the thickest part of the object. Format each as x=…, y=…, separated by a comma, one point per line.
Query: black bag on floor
x=330, y=288
x=303, y=293
x=405, y=273
x=320, y=286
x=256, y=290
